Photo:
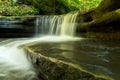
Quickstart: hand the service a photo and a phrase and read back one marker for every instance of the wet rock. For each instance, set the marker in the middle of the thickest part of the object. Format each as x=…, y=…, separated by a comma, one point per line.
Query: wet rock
x=17, y=26
x=55, y=68
x=104, y=35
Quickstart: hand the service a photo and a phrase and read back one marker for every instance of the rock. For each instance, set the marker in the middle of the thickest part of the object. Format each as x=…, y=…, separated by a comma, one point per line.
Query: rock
x=104, y=35
x=101, y=20
x=56, y=68
x=17, y=26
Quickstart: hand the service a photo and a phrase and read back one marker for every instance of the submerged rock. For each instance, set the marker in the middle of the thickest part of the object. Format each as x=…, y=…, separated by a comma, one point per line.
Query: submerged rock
x=53, y=67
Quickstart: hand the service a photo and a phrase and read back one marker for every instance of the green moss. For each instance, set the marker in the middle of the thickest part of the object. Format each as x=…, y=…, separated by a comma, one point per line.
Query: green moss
x=104, y=35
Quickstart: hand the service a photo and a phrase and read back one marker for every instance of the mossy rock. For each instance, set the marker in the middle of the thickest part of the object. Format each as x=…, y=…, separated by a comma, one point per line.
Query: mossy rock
x=55, y=68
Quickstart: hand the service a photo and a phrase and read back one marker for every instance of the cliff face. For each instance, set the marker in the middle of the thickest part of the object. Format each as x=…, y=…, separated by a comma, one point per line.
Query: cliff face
x=104, y=20
x=18, y=26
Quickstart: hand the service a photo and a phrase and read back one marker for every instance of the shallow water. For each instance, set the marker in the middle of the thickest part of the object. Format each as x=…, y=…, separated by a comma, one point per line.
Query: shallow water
x=87, y=52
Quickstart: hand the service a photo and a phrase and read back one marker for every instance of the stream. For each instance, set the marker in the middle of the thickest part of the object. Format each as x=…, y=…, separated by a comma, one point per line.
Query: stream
x=56, y=37
x=91, y=54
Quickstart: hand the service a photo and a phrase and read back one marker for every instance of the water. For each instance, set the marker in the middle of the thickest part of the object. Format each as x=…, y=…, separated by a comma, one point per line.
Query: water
x=56, y=34
x=97, y=56
x=14, y=64
x=62, y=25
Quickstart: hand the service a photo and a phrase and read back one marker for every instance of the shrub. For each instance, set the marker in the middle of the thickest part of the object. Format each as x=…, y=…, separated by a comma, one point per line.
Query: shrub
x=80, y=4
x=15, y=9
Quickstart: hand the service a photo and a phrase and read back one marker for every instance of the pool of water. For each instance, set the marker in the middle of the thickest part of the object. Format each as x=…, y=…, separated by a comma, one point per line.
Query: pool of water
x=86, y=52
x=104, y=55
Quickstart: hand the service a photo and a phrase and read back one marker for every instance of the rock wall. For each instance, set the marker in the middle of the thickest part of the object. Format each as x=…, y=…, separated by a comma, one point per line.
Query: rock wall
x=17, y=27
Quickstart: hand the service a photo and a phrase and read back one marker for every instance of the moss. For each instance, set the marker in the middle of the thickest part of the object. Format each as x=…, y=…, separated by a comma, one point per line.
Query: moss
x=118, y=11
x=104, y=36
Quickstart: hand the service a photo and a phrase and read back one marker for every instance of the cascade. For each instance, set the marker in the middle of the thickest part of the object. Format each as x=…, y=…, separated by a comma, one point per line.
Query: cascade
x=14, y=64
x=62, y=25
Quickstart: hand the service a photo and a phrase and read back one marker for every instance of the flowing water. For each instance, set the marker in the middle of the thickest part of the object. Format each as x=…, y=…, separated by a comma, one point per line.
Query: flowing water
x=100, y=57
x=14, y=64
x=56, y=34
x=64, y=25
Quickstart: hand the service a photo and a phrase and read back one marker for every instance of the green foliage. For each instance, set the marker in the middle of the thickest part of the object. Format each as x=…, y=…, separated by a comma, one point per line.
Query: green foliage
x=89, y=4
x=49, y=6
x=45, y=6
x=62, y=6
x=14, y=9
x=80, y=4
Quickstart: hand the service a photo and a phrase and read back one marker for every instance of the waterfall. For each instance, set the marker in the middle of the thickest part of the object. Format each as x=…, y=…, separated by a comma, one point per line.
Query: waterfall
x=61, y=25
x=14, y=64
